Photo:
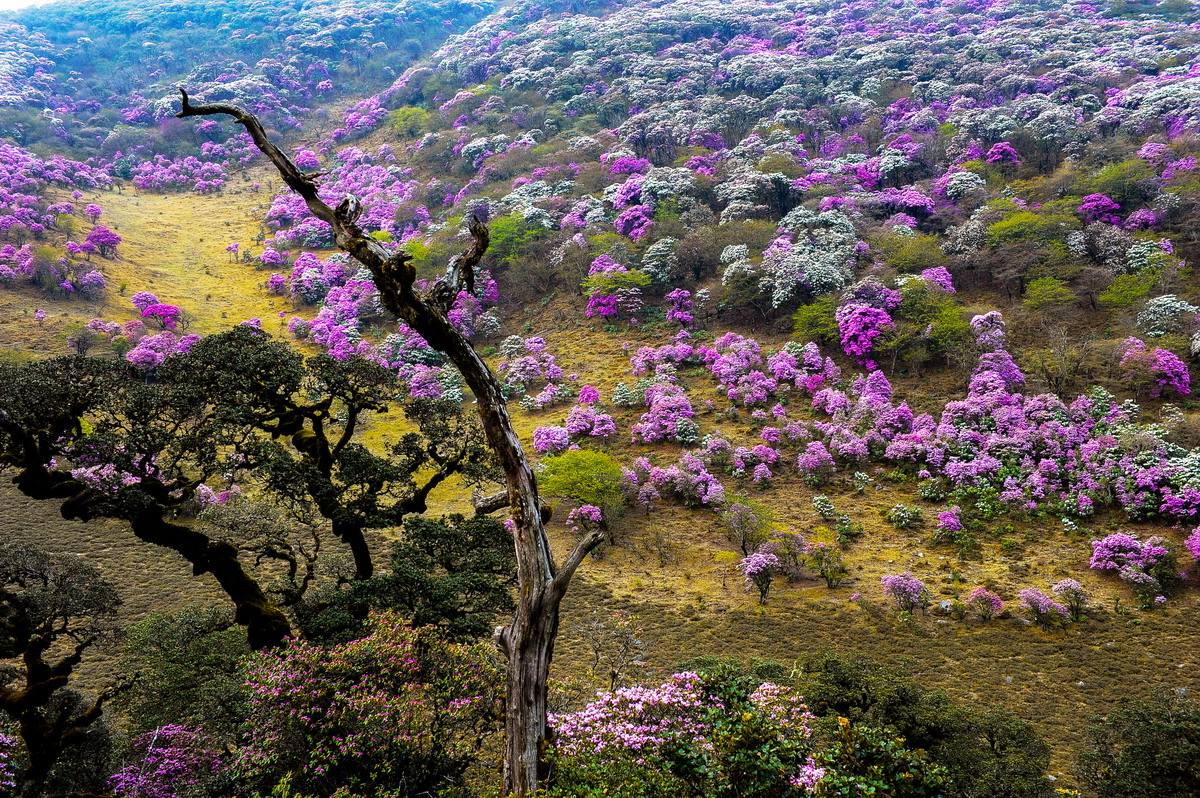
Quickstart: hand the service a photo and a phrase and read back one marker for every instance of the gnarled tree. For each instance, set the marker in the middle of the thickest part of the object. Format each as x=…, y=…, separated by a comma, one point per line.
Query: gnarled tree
x=528, y=641
x=52, y=610
x=236, y=405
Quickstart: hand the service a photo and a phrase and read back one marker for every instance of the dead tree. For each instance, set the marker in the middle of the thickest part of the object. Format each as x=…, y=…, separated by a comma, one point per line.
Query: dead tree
x=528, y=641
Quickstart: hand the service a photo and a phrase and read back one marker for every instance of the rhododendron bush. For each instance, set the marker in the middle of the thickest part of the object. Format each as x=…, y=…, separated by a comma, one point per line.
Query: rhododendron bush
x=690, y=734
x=396, y=709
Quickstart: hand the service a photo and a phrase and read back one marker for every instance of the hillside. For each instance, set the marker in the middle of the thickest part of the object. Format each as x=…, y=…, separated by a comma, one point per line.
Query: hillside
x=862, y=326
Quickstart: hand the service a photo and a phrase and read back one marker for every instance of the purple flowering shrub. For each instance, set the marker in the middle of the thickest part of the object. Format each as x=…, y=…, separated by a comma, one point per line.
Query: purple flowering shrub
x=860, y=326
x=909, y=593
x=1072, y=595
x=166, y=316
x=584, y=518
x=816, y=464
x=1158, y=371
x=687, y=481
x=1043, y=610
x=172, y=761
x=984, y=603
x=1147, y=566
x=398, y=703
x=527, y=362
x=669, y=417
x=551, y=440
x=104, y=240
x=8, y=771
x=759, y=570
x=631, y=740
x=587, y=420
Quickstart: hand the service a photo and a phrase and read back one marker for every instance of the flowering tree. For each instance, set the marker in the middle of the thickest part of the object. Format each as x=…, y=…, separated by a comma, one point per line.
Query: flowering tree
x=759, y=569
x=103, y=239
x=1072, y=595
x=1146, y=565
x=1044, y=611
x=986, y=604
x=906, y=590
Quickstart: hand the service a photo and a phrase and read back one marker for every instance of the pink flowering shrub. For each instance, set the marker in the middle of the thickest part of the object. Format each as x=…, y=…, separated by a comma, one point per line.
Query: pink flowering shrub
x=1043, y=610
x=584, y=518
x=397, y=710
x=815, y=463
x=940, y=278
x=167, y=316
x=551, y=440
x=527, y=362
x=1099, y=208
x=860, y=326
x=906, y=590
x=1003, y=152
x=692, y=735
x=1147, y=566
x=1192, y=544
x=681, y=307
x=173, y=761
x=669, y=417
x=589, y=421
x=984, y=603
x=759, y=569
x=1072, y=595
x=8, y=770
x=1158, y=370
x=688, y=481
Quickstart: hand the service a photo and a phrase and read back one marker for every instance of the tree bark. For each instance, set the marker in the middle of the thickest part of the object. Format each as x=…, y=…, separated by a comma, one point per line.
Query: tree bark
x=266, y=625
x=527, y=642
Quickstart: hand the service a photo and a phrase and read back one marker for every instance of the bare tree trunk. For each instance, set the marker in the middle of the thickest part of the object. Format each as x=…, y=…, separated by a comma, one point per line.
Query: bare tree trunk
x=528, y=642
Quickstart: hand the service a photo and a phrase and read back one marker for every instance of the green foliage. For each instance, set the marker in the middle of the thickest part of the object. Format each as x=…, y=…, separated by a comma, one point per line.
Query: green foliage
x=1045, y=293
x=611, y=282
x=407, y=120
x=927, y=325
x=1040, y=227
x=746, y=522
x=987, y=754
x=185, y=667
x=585, y=476
x=1131, y=183
x=454, y=573
x=865, y=760
x=911, y=253
x=1144, y=748
x=817, y=321
x=1126, y=289
x=829, y=564
x=512, y=237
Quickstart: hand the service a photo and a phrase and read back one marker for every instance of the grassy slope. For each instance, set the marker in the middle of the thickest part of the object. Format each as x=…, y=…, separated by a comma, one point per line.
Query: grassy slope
x=174, y=246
